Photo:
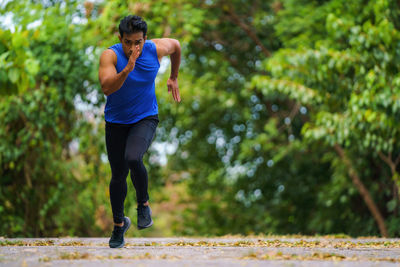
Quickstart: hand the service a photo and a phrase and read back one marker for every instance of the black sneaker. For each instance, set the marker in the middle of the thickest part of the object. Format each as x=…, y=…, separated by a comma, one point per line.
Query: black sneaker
x=144, y=217
x=117, y=237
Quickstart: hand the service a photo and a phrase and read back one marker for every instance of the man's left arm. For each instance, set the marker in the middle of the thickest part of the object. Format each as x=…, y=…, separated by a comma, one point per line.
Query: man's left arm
x=171, y=47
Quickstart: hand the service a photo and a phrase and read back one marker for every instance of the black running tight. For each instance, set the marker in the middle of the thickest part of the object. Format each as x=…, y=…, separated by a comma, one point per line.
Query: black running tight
x=126, y=145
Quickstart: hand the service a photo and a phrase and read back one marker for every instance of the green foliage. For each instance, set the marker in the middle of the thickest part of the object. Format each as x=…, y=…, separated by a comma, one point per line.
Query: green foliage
x=47, y=68
x=349, y=79
x=18, y=65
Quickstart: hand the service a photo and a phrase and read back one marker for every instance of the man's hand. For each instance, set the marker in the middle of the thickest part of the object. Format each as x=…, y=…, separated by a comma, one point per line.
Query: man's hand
x=134, y=54
x=171, y=47
x=172, y=85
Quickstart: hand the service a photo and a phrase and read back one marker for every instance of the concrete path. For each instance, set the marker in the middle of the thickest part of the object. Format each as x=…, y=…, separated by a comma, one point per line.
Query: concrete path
x=226, y=251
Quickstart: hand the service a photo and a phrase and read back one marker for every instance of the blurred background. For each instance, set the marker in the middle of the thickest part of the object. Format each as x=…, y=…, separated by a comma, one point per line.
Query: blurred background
x=289, y=121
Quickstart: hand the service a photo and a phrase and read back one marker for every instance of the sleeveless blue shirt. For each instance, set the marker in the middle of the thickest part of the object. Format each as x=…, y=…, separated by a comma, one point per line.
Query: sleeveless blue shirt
x=136, y=99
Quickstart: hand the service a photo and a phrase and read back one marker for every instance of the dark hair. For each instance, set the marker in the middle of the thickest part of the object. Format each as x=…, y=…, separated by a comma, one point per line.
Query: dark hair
x=132, y=24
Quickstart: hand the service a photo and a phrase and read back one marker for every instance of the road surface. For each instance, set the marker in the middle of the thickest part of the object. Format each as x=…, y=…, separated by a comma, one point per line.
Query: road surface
x=223, y=251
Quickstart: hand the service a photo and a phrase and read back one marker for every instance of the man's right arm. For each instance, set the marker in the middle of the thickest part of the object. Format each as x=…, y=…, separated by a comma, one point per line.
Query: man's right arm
x=110, y=80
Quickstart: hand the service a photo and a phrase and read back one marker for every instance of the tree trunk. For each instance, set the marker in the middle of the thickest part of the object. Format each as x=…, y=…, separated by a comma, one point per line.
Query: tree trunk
x=363, y=191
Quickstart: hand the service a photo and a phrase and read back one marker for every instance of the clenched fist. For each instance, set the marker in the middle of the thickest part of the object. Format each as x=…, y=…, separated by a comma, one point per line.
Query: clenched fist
x=133, y=55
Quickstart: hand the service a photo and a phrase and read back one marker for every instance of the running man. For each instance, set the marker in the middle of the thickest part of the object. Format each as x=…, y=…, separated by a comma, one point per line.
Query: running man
x=127, y=73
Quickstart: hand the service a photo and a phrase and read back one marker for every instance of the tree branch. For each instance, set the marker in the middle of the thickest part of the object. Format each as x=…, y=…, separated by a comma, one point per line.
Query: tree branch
x=397, y=161
x=363, y=191
x=393, y=165
x=388, y=161
x=291, y=115
x=249, y=31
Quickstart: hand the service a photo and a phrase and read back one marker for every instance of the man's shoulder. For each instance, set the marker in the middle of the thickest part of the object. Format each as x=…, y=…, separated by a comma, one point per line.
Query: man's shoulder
x=150, y=46
x=109, y=55
x=156, y=43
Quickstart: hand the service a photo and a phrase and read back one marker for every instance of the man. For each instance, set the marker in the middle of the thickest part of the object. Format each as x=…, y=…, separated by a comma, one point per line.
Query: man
x=127, y=72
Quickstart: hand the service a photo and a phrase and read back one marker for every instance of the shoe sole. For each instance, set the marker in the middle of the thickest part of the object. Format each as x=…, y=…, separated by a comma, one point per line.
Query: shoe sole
x=146, y=226
x=126, y=229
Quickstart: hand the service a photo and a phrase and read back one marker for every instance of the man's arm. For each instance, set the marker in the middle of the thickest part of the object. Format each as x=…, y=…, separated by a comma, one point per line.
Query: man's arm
x=171, y=47
x=110, y=80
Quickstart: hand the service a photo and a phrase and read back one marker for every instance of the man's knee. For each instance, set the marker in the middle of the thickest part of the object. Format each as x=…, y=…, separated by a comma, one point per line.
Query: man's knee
x=119, y=176
x=134, y=160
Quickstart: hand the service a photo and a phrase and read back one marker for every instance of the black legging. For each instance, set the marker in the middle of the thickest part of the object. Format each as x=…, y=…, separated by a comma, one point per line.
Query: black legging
x=126, y=145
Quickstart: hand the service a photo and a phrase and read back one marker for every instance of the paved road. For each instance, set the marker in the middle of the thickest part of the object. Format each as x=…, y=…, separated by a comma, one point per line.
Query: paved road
x=229, y=251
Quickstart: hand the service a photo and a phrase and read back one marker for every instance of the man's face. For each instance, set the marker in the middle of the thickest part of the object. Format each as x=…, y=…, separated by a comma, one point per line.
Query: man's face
x=130, y=41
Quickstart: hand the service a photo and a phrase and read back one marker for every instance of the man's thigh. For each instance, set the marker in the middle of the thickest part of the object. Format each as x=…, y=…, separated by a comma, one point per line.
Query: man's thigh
x=116, y=138
x=140, y=136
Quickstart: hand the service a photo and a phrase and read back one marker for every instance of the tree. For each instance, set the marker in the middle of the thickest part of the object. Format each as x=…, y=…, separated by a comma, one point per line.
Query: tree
x=44, y=69
x=349, y=81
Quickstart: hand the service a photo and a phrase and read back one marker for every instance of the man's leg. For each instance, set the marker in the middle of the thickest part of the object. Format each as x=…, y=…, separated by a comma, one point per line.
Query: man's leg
x=116, y=136
x=140, y=137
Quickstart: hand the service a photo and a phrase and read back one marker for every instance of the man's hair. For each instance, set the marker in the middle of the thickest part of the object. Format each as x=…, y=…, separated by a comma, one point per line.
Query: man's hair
x=132, y=24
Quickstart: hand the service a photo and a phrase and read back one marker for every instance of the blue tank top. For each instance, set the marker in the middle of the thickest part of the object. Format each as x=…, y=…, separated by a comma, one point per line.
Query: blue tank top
x=136, y=99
